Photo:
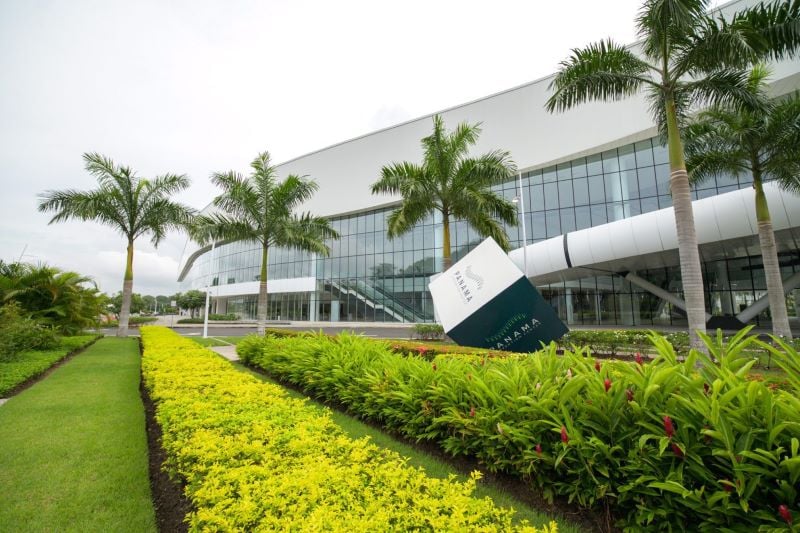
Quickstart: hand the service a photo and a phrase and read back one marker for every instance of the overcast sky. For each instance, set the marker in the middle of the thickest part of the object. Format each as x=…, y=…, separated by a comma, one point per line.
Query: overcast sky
x=196, y=87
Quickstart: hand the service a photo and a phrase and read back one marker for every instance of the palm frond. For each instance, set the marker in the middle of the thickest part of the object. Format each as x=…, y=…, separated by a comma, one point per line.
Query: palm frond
x=772, y=29
x=601, y=71
x=666, y=24
x=293, y=191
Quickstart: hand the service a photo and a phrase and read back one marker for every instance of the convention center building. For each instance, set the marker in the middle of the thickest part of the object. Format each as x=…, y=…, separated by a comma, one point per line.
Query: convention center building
x=599, y=239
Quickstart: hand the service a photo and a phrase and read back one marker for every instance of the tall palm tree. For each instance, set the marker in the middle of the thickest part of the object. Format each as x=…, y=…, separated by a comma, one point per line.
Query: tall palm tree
x=131, y=205
x=762, y=141
x=260, y=209
x=687, y=58
x=452, y=183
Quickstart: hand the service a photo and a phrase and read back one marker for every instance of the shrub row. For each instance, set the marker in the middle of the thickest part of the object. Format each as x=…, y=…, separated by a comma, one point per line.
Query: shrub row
x=212, y=317
x=662, y=444
x=429, y=331
x=612, y=341
x=29, y=364
x=253, y=458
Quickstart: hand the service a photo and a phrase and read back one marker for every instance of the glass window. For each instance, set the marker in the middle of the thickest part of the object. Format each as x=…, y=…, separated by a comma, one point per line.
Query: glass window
x=553, y=222
x=647, y=182
x=551, y=196
x=579, y=168
x=535, y=176
x=613, y=188
x=583, y=218
x=581, y=188
x=632, y=208
x=660, y=154
x=664, y=201
x=537, y=198
x=644, y=153
x=610, y=161
x=549, y=174
x=594, y=165
x=615, y=211
x=627, y=158
x=565, y=194
x=630, y=185
x=662, y=179
x=567, y=220
x=597, y=193
x=649, y=204
x=599, y=215
x=563, y=171
x=370, y=222
x=538, y=229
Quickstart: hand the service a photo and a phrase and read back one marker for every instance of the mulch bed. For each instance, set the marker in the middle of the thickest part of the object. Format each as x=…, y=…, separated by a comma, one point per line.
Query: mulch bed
x=170, y=504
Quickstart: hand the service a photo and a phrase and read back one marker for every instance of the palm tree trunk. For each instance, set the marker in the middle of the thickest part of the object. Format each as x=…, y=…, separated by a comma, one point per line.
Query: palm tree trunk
x=127, y=292
x=691, y=271
x=262, y=292
x=769, y=256
x=447, y=261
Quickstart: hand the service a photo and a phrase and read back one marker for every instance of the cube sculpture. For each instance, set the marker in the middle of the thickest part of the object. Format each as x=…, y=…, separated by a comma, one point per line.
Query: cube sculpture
x=485, y=301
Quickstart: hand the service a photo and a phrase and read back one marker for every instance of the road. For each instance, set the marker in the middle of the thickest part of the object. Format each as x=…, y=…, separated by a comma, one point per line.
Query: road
x=376, y=331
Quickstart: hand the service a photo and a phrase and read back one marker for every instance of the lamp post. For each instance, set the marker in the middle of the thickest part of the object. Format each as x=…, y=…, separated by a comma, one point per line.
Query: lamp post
x=519, y=199
x=208, y=290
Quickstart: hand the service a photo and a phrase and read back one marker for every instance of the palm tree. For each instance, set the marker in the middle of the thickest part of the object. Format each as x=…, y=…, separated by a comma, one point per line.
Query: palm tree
x=687, y=58
x=450, y=182
x=131, y=205
x=763, y=141
x=259, y=209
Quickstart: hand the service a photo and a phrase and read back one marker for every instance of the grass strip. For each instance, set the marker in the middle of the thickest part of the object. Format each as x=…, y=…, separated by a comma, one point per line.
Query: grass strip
x=28, y=365
x=73, y=452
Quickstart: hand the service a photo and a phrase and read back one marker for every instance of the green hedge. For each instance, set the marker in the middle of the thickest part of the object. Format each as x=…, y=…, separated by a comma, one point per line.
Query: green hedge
x=663, y=445
x=254, y=459
x=29, y=364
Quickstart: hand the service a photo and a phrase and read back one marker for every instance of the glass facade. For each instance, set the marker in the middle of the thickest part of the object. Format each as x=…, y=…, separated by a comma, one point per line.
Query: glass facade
x=369, y=277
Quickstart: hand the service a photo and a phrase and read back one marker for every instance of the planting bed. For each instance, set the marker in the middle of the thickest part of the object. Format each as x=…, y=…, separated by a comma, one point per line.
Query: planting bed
x=253, y=458
x=660, y=445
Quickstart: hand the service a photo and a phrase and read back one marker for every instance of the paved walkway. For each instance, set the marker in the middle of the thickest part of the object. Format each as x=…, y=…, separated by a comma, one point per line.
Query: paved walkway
x=228, y=352
x=3, y=400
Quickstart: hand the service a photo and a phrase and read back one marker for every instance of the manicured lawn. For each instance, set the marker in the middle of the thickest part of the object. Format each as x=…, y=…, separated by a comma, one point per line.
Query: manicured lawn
x=73, y=451
x=217, y=341
x=30, y=364
x=434, y=467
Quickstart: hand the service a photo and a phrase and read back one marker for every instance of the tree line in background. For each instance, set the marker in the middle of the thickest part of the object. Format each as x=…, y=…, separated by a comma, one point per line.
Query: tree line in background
x=688, y=59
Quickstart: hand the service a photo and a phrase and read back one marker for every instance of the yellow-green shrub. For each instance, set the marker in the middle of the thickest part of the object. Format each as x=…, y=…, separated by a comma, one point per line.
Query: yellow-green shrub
x=254, y=459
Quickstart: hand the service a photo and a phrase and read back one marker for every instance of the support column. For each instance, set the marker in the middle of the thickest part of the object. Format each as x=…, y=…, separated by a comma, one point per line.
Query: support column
x=570, y=307
x=748, y=314
x=658, y=291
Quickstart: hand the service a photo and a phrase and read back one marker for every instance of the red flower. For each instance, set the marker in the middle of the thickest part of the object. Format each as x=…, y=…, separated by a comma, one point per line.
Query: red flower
x=629, y=394
x=434, y=366
x=785, y=513
x=607, y=384
x=422, y=350
x=677, y=450
x=639, y=359
x=472, y=411
x=727, y=487
x=706, y=387
x=597, y=365
x=539, y=449
x=564, y=436
x=668, y=427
